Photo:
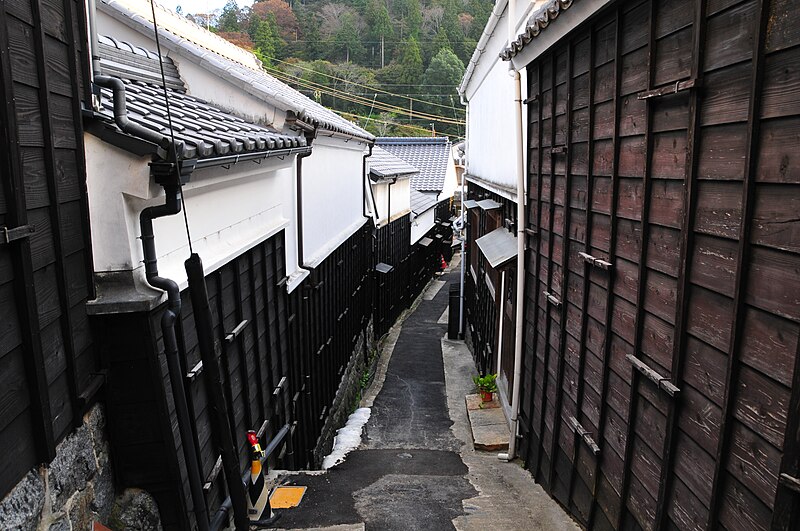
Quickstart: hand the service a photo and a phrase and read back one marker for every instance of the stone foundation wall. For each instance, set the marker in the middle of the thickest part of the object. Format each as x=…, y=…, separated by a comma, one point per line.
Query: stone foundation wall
x=76, y=490
x=349, y=392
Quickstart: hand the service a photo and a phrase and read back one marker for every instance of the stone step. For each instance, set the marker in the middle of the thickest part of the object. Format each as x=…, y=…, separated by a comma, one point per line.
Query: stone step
x=490, y=431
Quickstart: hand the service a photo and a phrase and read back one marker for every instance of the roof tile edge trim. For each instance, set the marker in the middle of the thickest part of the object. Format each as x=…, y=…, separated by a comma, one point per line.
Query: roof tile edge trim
x=535, y=25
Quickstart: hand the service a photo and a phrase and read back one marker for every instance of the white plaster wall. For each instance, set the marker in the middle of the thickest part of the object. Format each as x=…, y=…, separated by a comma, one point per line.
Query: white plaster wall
x=332, y=195
x=421, y=224
x=400, y=199
x=229, y=212
x=491, y=128
x=450, y=184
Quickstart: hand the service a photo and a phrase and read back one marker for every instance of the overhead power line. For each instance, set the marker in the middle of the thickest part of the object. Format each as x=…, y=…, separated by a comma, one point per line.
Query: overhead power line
x=373, y=89
x=283, y=76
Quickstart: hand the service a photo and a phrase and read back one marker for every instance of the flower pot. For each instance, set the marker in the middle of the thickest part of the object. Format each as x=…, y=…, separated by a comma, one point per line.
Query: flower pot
x=486, y=396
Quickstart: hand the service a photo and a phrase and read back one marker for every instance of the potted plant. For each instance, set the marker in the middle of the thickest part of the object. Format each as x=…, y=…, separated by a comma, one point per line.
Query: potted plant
x=486, y=386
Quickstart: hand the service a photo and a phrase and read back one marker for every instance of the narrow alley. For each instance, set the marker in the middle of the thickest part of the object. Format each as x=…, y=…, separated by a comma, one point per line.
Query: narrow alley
x=416, y=467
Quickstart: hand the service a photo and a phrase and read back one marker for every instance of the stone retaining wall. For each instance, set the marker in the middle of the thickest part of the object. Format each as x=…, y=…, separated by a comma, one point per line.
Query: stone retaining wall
x=348, y=394
x=76, y=489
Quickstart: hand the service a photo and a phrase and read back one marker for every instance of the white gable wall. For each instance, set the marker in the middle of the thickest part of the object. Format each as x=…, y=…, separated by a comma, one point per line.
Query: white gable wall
x=398, y=202
x=421, y=224
x=332, y=195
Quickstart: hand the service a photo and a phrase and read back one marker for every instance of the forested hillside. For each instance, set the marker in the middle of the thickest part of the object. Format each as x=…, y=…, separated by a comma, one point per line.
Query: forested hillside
x=392, y=66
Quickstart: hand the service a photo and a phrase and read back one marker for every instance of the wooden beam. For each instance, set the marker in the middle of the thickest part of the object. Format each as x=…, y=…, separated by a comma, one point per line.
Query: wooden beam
x=534, y=213
x=25, y=292
x=565, y=245
x=685, y=262
x=633, y=398
x=238, y=339
x=548, y=284
x=742, y=262
x=79, y=68
x=612, y=252
x=587, y=246
x=55, y=216
x=262, y=380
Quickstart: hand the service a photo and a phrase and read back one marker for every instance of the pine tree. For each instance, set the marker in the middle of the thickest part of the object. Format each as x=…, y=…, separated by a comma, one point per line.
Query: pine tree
x=411, y=63
x=267, y=41
x=229, y=18
x=347, y=43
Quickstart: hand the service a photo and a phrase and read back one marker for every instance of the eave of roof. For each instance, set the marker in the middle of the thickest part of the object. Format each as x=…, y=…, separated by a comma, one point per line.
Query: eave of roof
x=421, y=202
x=537, y=22
x=254, y=81
x=499, y=247
x=384, y=165
x=201, y=130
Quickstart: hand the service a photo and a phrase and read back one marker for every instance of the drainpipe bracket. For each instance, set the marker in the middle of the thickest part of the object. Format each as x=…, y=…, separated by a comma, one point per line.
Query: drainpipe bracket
x=171, y=173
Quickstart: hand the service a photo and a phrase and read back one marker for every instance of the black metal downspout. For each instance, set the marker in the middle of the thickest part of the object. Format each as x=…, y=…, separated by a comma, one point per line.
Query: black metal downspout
x=171, y=207
x=310, y=136
x=117, y=87
x=365, y=183
x=172, y=173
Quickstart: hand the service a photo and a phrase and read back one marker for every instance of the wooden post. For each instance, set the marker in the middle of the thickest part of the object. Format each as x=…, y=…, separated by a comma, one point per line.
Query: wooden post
x=642, y=275
x=686, y=252
x=742, y=261
x=612, y=256
x=20, y=250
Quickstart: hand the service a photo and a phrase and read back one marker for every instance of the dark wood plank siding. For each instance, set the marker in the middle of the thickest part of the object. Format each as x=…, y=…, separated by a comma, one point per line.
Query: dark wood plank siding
x=692, y=197
x=482, y=302
x=46, y=350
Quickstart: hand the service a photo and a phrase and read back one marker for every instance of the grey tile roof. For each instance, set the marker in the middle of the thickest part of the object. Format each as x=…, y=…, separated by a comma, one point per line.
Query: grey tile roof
x=202, y=130
x=537, y=22
x=383, y=164
x=254, y=81
x=422, y=201
x=431, y=155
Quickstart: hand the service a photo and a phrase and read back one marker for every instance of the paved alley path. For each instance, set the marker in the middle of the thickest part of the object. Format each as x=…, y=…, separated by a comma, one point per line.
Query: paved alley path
x=409, y=472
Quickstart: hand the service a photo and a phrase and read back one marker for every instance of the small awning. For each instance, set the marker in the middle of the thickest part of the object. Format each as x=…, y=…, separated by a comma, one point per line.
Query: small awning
x=489, y=204
x=425, y=242
x=471, y=203
x=499, y=247
x=383, y=268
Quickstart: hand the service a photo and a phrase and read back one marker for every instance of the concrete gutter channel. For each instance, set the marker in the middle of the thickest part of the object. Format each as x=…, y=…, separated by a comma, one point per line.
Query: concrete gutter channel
x=416, y=467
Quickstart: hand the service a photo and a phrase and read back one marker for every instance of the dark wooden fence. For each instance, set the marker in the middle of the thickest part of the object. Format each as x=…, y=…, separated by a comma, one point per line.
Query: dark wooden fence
x=412, y=265
x=392, y=247
x=327, y=315
x=662, y=314
x=48, y=365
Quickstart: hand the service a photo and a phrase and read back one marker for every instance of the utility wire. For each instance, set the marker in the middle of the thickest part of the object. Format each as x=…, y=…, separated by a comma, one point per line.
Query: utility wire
x=357, y=99
x=360, y=100
x=351, y=82
x=366, y=102
x=353, y=116
x=171, y=129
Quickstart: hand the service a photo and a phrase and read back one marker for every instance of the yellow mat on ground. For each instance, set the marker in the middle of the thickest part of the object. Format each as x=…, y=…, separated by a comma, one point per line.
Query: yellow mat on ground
x=286, y=497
